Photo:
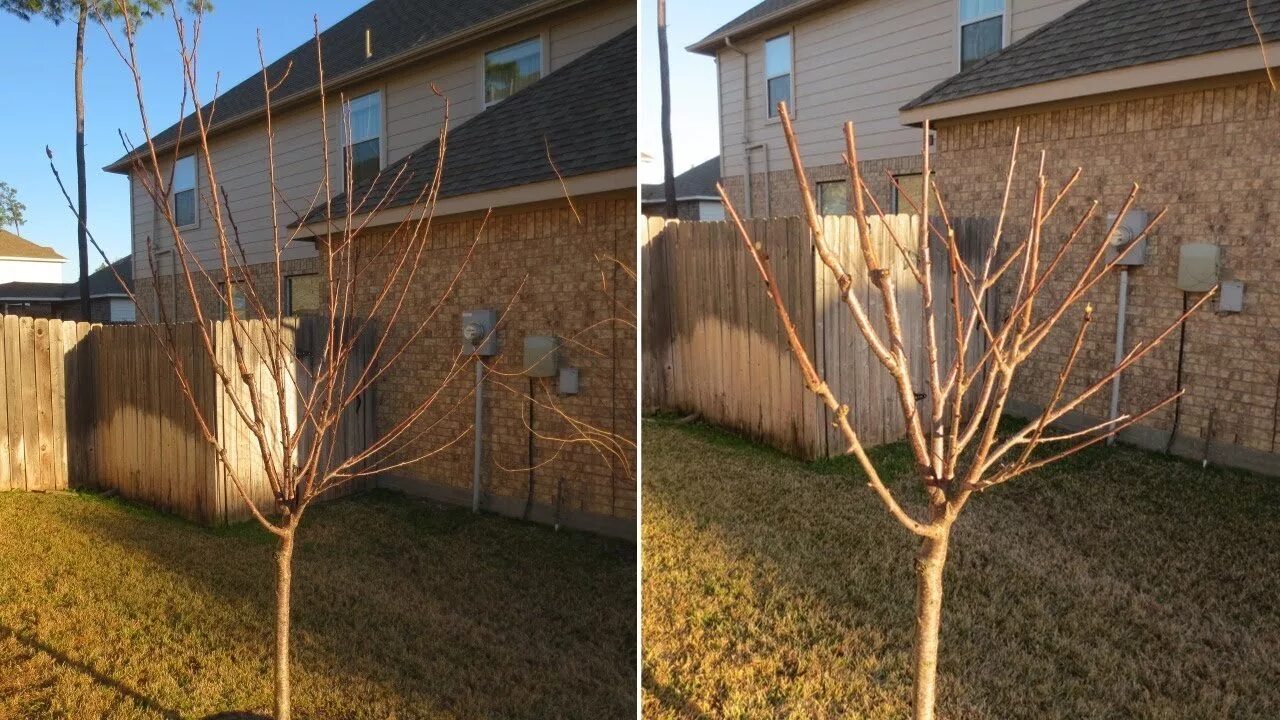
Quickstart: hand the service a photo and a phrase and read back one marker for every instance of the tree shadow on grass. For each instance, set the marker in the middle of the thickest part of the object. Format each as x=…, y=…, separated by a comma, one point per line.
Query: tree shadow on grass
x=1120, y=584
x=400, y=607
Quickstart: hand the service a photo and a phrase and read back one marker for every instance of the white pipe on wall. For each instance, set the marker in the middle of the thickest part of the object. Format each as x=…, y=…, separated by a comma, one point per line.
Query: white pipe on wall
x=1122, y=307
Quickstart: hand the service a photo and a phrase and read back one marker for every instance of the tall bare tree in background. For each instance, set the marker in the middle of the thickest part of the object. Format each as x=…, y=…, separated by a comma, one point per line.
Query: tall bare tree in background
x=958, y=442
x=294, y=410
x=664, y=79
x=57, y=12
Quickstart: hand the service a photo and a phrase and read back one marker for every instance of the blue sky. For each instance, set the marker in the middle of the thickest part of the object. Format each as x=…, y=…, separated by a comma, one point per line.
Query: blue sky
x=695, y=125
x=36, y=66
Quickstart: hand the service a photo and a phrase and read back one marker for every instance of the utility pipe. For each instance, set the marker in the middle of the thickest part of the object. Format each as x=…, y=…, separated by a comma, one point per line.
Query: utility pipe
x=1122, y=306
x=478, y=429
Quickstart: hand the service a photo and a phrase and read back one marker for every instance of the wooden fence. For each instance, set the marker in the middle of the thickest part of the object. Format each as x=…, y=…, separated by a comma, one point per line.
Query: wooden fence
x=713, y=344
x=100, y=406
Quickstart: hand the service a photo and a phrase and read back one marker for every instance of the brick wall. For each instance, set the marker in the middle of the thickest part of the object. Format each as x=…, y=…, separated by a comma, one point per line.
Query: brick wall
x=780, y=197
x=1208, y=154
x=572, y=289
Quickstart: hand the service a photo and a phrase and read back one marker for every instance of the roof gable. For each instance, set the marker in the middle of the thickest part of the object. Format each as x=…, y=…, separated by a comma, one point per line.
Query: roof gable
x=1103, y=35
x=698, y=181
x=14, y=246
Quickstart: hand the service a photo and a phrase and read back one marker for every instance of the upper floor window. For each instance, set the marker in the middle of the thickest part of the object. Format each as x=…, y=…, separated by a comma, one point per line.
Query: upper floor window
x=981, y=30
x=777, y=72
x=833, y=197
x=363, y=156
x=184, y=191
x=511, y=69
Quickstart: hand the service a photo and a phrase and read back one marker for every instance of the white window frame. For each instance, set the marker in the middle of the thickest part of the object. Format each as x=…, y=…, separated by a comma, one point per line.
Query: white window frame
x=791, y=72
x=382, y=131
x=1005, y=33
x=195, y=191
x=544, y=61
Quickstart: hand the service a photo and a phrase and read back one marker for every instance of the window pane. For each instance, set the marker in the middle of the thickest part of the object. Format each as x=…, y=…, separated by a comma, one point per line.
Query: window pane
x=184, y=173
x=970, y=9
x=509, y=70
x=980, y=39
x=777, y=56
x=184, y=208
x=365, y=161
x=366, y=117
x=909, y=191
x=833, y=197
x=779, y=89
x=304, y=294
x=239, y=300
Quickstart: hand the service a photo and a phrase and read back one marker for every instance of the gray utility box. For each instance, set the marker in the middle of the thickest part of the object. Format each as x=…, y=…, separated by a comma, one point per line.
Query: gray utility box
x=541, y=356
x=1198, y=267
x=478, y=332
x=1135, y=221
x=1231, y=296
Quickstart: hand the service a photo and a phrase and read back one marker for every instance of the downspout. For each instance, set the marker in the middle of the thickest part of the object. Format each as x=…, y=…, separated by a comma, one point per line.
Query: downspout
x=747, y=147
x=479, y=436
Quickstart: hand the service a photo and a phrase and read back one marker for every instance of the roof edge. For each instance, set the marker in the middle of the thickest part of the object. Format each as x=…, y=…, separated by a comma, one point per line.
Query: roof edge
x=488, y=27
x=1243, y=59
x=709, y=44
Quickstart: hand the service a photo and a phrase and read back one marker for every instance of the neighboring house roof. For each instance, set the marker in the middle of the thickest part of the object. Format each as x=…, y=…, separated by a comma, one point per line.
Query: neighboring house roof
x=696, y=183
x=102, y=284
x=400, y=30
x=1105, y=35
x=13, y=246
x=766, y=13
x=582, y=116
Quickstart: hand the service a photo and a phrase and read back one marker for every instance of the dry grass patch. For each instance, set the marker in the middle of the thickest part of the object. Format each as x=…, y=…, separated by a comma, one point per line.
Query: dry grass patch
x=1118, y=584
x=402, y=610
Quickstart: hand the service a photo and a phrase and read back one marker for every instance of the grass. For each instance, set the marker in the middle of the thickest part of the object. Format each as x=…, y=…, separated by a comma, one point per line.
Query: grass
x=1118, y=584
x=402, y=610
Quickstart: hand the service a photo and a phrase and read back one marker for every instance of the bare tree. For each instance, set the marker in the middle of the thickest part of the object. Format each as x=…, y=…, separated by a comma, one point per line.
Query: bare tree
x=368, y=322
x=958, y=445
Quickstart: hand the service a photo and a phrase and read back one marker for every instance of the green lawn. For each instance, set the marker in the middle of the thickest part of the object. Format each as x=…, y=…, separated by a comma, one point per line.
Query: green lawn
x=402, y=610
x=1120, y=585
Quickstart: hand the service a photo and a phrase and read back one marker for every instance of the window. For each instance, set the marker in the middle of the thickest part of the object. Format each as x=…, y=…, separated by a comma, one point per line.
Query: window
x=981, y=30
x=363, y=157
x=777, y=72
x=302, y=294
x=184, y=191
x=238, y=299
x=907, y=196
x=511, y=69
x=833, y=197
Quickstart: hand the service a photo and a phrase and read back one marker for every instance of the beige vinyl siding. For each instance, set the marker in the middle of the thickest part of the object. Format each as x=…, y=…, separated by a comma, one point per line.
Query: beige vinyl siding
x=857, y=61
x=1029, y=15
x=412, y=116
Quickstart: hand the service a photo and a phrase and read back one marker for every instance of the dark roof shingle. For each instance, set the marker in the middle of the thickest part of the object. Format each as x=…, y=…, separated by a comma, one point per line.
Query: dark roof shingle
x=397, y=27
x=697, y=181
x=757, y=12
x=582, y=115
x=1105, y=35
x=101, y=283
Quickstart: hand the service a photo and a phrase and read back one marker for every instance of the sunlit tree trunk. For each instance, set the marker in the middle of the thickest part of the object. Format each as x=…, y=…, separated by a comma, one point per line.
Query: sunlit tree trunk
x=930, y=560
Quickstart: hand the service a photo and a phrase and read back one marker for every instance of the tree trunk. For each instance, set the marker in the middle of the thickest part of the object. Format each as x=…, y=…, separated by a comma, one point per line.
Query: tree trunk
x=82, y=227
x=930, y=561
x=664, y=71
x=284, y=581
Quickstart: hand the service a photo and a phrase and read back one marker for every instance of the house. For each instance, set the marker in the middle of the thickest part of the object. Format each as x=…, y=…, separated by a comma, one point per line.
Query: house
x=540, y=166
x=108, y=301
x=832, y=62
x=1172, y=95
x=696, y=195
x=21, y=259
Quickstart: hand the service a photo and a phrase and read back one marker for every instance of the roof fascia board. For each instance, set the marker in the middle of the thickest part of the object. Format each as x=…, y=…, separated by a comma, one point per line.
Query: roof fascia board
x=471, y=34
x=21, y=258
x=711, y=45
x=589, y=184
x=1198, y=67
